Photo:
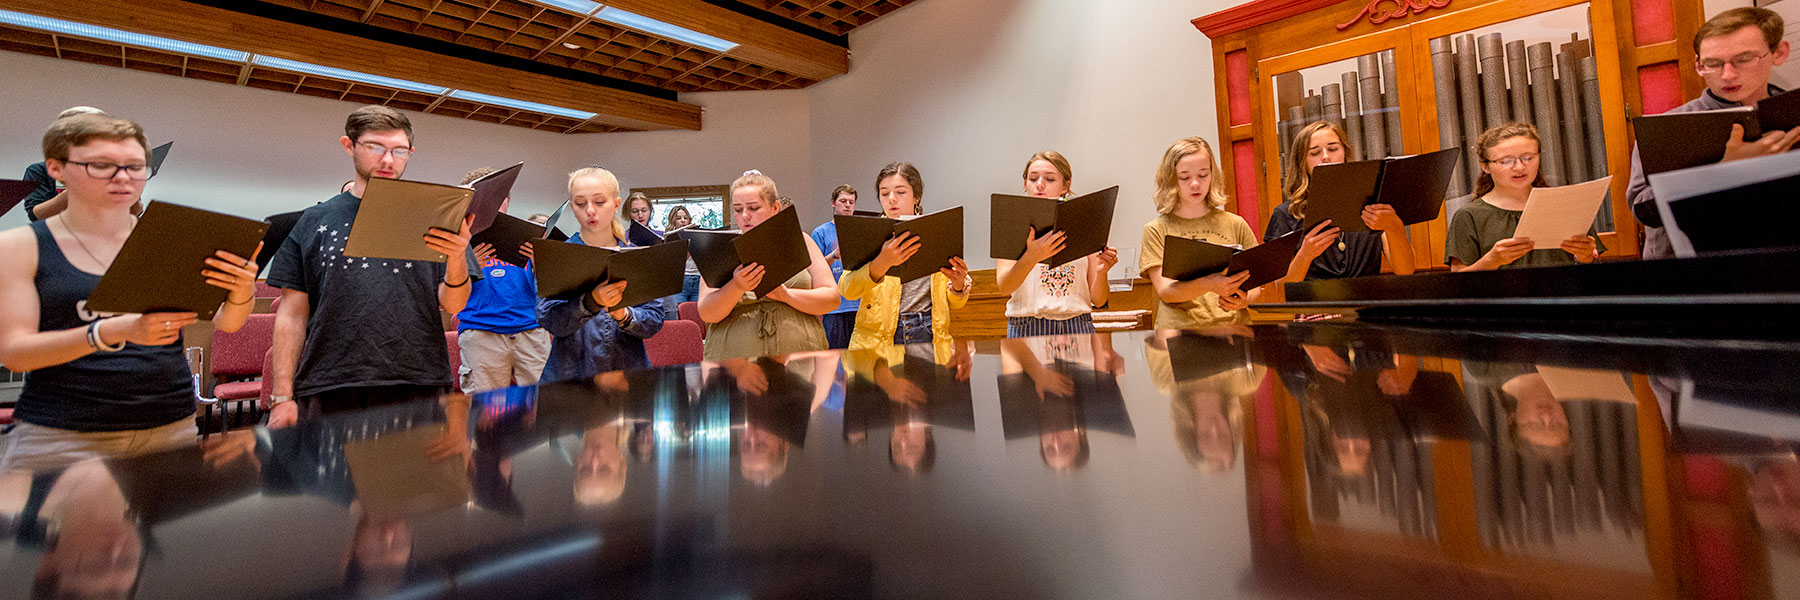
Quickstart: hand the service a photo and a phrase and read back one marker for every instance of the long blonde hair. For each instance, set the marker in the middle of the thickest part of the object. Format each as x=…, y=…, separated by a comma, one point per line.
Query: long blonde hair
x=1168, y=194
x=1298, y=177
x=606, y=179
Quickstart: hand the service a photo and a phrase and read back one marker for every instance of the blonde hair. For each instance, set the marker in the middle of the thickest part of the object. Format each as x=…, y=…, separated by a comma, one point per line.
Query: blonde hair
x=765, y=187
x=1168, y=194
x=1299, y=177
x=608, y=180
x=1057, y=161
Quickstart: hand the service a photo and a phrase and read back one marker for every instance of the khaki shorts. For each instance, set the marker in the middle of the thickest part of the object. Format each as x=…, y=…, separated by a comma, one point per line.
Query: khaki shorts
x=496, y=360
x=35, y=447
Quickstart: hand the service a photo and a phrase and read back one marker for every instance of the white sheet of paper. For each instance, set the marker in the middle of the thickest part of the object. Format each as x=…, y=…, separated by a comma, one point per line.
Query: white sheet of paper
x=1559, y=213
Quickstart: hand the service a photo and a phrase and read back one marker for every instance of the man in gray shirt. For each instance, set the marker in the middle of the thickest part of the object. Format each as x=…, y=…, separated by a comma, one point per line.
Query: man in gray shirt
x=1735, y=52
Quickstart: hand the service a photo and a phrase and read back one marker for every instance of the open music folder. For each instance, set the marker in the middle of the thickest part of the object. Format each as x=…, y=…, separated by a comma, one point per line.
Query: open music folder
x=777, y=244
x=940, y=235
x=491, y=191
x=1086, y=220
x=566, y=270
x=1186, y=260
x=639, y=235
x=158, y=268
x=1671, y=141
x=1414, y=185
x=158, y=155
x=396, y=214
x=508, y=235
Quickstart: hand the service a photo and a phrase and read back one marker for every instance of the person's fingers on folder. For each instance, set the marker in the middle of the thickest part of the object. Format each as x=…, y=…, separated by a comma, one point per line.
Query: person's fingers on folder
x=1318, y=240
x=1381, y=217
x=1771, y=142
x=157, y=329
x=1234, y=301
x=747, y=277
x=449, y=444
x=609, y=295
x=1039, y=248
x=233, y=273
x=957, y=273
x=1054, y=383
x=1581, y=246
x=897, y=250
x=1105, y=259
x=484, y=252
x=450, y=243
x=525, y=249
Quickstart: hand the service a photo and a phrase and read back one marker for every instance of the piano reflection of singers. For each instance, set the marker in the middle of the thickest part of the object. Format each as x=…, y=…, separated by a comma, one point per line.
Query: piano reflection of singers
x=772, y=399
x=908, y=390
x=1207, y=375
x=1050, y=388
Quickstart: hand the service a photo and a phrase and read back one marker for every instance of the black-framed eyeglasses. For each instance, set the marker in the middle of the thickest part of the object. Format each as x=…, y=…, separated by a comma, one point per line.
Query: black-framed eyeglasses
x=374, y=149
x=1739, y=62
x=106, y=170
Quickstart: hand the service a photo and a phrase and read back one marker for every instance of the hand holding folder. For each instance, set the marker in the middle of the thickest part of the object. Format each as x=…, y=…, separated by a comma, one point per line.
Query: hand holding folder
x=777, y=245
x=1553, y=215
x=1671, y=141
x=939, y=234
x=508, y=235
x=566, y=270
x=1414, y=185
x=1087, y=221
x=159, y=267
x=1187, y=260
x=396, y=215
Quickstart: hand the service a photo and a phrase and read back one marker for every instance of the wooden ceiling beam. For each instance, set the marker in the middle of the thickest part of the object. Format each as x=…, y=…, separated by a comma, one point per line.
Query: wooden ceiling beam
x=238, y=31
x=762, y=43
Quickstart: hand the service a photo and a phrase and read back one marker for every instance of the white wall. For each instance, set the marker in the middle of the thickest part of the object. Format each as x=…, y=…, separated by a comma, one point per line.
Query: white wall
x=255, y=152
x=969, y=90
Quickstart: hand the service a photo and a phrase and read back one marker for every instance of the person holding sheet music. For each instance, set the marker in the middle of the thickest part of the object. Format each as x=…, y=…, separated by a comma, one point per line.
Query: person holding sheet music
x=1046, y=301
x=690, y=275
x=595, y=334
x=353, y=331
x=1190, y=200
x=1735, y=52
x=1328, y=253
x=498, y=332
x=893, y=312
x=841, y=322
x=44, y=200
x=96, y=385
x=743, y=325
x=1480, y=237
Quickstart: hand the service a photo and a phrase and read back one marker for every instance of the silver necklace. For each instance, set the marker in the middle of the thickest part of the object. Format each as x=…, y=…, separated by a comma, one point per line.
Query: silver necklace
x=83, y=245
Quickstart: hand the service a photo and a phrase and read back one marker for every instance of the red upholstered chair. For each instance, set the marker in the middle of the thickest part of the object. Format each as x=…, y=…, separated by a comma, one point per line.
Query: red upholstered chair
x=677, y=344
x=238, y=357
x=690, y=311
x=264, y=290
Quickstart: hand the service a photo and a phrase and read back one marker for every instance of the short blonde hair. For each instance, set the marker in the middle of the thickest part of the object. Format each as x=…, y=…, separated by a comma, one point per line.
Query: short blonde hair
x=1168, y=194
x=606, y=179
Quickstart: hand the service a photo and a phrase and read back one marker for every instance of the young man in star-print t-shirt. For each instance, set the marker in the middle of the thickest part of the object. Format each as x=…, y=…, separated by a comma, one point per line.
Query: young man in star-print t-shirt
x=351, y=331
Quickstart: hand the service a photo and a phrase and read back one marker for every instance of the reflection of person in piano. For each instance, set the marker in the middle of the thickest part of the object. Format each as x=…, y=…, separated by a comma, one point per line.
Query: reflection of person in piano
x=1066, y=396
x=600, y=468
x=1538, y=420
x=1775, y=497
x=773, y=397
x=1207, y=410
x=95, y=552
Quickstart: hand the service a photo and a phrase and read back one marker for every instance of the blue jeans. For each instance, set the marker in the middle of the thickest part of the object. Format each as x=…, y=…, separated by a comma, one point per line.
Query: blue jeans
x=690, y=287
x=838, y=327
x=913, y=328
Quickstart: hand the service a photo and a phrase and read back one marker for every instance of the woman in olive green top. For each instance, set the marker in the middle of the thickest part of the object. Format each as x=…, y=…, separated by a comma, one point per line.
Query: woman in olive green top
x=1481, y=238
x=744, y=325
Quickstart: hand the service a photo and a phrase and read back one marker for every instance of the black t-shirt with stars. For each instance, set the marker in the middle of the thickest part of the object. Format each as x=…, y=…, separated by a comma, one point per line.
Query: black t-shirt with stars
x=374, y=321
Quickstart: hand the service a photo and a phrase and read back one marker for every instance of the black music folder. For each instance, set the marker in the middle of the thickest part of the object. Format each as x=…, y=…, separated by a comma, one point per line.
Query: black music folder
x=395, y=478
x=640, y=236
x=568, y=270
x=1194, y=356
x=777, y=244
x=1414, y=185
x=158, y=269
x=1672, y=141
x=396, y=214
x=1185, y=259
x=940, y=237
x=1087, y=221
x=12, y=192
x=508, y=235
x=491, y=191
x=280, y=225
x=158, y=155
x=868, y=213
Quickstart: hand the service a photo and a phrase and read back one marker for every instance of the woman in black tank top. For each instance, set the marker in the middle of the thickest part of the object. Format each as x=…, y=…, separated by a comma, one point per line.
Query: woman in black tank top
x=85, y=372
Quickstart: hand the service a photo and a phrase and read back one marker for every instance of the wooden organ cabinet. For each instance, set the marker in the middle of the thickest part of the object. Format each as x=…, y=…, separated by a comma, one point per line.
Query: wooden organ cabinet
x=1412, y=76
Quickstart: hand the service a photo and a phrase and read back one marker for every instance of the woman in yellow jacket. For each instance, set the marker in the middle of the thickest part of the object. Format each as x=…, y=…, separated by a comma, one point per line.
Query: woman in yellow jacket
x=892, y=312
